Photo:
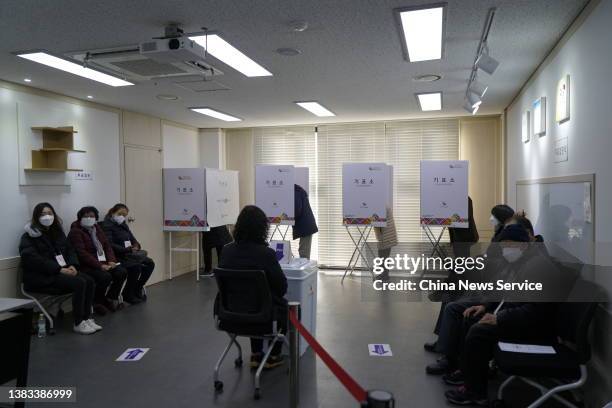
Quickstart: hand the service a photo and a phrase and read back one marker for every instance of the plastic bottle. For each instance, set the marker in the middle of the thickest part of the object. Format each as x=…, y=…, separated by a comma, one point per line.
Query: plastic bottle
x=42, y=326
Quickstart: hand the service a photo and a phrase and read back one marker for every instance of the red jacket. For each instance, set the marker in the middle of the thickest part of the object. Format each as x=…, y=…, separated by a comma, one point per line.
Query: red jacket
x=86, y=250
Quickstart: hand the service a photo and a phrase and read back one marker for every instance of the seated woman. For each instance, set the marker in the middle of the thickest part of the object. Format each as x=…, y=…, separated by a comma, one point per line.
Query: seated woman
x=128, y=250
x=250, y=251
x=98, y=260
x=50, y=265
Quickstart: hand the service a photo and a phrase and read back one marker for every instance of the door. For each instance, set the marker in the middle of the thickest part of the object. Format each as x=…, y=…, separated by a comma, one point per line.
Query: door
x=144, y=197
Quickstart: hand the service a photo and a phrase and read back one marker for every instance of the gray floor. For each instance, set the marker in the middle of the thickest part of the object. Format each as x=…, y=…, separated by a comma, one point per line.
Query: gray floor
x=176, y=324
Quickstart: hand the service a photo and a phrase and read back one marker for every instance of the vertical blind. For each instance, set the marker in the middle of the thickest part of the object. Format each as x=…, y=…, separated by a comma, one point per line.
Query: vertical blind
x=402, y=144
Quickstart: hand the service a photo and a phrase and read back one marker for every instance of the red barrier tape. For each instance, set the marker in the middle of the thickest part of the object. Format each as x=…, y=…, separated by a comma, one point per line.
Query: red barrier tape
x=349, y=383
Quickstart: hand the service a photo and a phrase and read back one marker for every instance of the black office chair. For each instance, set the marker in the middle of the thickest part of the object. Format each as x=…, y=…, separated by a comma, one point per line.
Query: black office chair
x=244, y=308
x=568, y=366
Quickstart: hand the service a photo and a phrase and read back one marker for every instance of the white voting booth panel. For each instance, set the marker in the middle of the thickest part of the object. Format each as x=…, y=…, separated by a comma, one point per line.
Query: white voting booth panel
x=184, y=199
x=222, y=197
x=302, y=287
x=365, y=193
x=444, y=192
x=274, y=192
x=302, y=178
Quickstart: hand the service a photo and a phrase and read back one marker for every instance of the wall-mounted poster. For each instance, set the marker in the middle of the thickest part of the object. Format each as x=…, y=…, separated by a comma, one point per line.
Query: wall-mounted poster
x=525, y=128
x=274, y=192
x=184, y=199
x=539, y=116
x=365, y=193
x=222, y=197
x=560, y=150
x=562, y=111
x=444, y=193
x=302, y=178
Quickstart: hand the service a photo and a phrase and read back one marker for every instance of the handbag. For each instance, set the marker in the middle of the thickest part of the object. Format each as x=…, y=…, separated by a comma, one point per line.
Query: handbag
x=137, y=256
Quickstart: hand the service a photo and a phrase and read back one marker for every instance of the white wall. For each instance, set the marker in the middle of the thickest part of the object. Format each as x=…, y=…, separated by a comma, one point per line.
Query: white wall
x=181, y=146
x=98, y=134
x=212, y=148
x=586, y=57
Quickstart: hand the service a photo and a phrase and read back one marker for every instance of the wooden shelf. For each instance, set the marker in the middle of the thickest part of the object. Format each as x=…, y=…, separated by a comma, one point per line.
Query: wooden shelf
x=60, y=149
x=62, y=129
x=49, y=169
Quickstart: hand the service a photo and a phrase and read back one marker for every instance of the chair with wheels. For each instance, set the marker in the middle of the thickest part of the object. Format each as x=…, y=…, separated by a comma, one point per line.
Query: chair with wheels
x=244, y=308
x=567, y=367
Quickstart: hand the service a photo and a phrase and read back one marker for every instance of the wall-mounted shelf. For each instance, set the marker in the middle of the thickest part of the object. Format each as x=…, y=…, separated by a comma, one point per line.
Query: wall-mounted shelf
x=58, y=142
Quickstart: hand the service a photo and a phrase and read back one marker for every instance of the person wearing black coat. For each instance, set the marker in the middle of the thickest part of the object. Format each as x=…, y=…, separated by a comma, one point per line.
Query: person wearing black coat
x=128, y=251
x=50, y=265
x=216, y=238
x=250, y=251
x=305, y=224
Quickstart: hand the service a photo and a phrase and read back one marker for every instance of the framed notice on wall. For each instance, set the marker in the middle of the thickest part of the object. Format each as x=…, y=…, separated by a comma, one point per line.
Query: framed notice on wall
x=274, y=192
x=184, y=199
x=444, y=193
x=539, y=116
x=562, y=111
x=365, y=193
x=222, y=204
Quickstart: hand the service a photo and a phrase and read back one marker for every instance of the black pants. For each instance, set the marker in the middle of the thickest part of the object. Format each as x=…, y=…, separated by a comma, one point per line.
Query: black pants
x=479, y=347
x=82, y=287
x=282, y=314
x=137, y=276
x=208, y=256
x=453, y=329
x=108, y=283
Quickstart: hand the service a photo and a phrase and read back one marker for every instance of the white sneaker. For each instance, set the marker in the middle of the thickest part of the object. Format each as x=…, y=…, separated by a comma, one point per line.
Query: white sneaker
x=93, y=324
x=83, y=328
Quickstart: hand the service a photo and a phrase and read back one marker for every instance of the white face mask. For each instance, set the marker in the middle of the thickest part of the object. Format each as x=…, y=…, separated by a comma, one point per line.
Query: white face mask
x=46, y=220
x=512, y=254
x=119, y=219
x=88, y=222
x=494, y=221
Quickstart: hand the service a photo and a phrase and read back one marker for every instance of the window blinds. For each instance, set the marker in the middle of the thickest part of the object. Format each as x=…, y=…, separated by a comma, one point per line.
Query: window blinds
x=402, y=144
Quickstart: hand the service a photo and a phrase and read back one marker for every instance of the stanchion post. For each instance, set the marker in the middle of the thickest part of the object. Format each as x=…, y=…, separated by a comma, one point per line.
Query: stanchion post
x=294, y=357
x=379, y=399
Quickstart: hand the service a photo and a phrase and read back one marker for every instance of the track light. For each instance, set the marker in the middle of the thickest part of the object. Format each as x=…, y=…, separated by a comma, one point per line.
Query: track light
x=473, y=99
x=468, y=107
x=487, y=63
x=478, y=88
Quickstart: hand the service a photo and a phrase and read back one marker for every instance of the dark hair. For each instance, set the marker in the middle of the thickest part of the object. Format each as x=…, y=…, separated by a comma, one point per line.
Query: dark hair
x=525, y=223
x=502, y=212
x=115, y=208
x=36, y=213
x=514, y=232
x=87, y=209
x=252, y=226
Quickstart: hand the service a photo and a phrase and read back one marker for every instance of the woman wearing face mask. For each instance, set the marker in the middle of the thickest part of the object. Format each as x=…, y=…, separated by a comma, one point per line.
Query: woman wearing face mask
x=501, y=214
x=50, y=265
x=129, y=252
x=98, y=260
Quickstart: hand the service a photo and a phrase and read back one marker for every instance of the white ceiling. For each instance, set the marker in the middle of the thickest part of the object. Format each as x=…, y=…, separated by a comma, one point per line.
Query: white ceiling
x=351, y=58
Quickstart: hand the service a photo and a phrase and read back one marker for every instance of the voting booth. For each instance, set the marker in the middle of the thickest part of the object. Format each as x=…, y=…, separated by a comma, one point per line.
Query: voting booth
x=196, y=199
x=302, y=287
x=275, y=195
x=444, y=197
x=367, y=192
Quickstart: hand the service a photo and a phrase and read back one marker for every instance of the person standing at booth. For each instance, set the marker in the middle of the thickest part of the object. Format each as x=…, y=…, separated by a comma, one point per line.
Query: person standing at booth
x=216, y=238
x=98, y=260
x=50, y=265
x=305, y=224
x=128, y=250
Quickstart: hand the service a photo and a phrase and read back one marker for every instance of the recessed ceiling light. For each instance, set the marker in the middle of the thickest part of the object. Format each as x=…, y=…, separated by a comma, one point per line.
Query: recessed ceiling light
x=216, y=114
x=73, y=68
x=422, y=31
x=431, y=101
x=288, y=52
x=427, y=78
x=316, y=109
x=228, y=54
x=167, y=97
x=89, y=97
x=27, y=80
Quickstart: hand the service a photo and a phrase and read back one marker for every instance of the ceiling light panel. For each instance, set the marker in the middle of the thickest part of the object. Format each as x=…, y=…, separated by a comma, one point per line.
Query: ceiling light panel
x=422, y=32
x=228, y=54
x=216, y=114
x=316, y=109
x=73, y=68
x=430, y=101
